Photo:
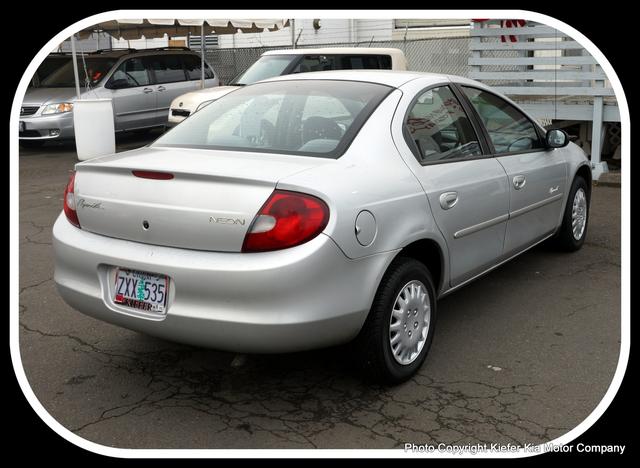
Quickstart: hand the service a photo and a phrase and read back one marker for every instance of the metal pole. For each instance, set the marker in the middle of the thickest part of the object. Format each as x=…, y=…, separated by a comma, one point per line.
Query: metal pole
x=75, y=65
x=293, y=33
x=202, y=49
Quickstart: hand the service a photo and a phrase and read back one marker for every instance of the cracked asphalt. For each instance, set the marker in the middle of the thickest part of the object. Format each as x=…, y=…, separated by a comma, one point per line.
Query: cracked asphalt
x=522, y=355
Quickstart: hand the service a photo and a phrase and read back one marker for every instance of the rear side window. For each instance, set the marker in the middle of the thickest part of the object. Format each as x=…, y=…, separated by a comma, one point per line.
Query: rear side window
x=133, y=72
x=192, y=68
x=370, y=62
x=311, y=63
x=295, y=117
x=167, y=68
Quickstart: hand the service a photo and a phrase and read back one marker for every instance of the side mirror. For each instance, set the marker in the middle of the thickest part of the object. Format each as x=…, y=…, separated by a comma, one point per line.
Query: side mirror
x=118, y=84
x=557, y=138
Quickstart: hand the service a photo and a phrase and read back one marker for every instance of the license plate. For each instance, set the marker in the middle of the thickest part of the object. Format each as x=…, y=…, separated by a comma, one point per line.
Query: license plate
x=21, y=127
x=141, y=290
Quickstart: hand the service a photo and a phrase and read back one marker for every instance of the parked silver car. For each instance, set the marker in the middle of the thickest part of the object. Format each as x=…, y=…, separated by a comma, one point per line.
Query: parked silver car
x=141, y=84
x=306, y=211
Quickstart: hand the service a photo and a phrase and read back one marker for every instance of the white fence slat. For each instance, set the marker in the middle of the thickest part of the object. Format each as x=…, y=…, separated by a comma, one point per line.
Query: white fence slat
x=552, y=91
x=537, y=45
x=572, y=75
x=583, y=60
x=569, y=111
x=539, y=31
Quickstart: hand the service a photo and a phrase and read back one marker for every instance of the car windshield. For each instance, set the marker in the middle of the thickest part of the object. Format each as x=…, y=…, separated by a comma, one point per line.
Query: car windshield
x=265, y=67
x=90, y=71
x=48, y=66
x=298, y=117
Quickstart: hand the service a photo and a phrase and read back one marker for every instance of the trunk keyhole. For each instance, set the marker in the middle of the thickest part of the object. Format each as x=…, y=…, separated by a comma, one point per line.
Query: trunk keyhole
x=145, y=224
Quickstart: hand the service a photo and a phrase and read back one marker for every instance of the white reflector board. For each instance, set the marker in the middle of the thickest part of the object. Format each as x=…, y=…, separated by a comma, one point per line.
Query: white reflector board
x=93, y=127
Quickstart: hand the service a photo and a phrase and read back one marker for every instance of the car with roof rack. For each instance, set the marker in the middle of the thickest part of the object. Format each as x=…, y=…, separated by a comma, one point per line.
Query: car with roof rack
x=140, y=83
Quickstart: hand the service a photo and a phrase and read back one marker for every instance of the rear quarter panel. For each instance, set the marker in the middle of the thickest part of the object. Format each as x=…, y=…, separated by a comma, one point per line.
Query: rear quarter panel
x=370, y=176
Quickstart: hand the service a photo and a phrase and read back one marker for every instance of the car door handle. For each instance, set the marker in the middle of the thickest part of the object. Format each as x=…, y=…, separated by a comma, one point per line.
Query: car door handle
x=161, y=88
x=147, y=90
x=519, y=181
x=448, y=200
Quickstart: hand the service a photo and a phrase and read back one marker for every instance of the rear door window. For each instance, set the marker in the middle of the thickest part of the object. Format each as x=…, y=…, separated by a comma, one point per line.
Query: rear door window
x=167, y=68
x=439, y=129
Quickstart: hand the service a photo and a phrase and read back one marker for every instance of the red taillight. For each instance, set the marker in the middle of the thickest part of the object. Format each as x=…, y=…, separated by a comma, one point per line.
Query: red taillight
x=153, y=175
x=287, y=219
x=70, y=201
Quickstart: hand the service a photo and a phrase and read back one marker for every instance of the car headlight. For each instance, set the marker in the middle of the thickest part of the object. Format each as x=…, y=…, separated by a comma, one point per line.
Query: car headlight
x=204, y=104
x=60, y=108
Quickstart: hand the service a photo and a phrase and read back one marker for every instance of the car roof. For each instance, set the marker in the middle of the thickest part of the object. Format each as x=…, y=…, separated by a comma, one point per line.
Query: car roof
x=338, y=50
x=117, y=53
x=385, y=77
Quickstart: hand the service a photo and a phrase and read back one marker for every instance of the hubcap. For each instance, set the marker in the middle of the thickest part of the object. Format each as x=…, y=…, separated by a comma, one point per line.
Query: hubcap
x=409, y=324
x=579, y=214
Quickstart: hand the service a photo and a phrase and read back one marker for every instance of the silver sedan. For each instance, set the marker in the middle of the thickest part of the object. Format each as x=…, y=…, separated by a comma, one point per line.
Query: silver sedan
x=317, y=209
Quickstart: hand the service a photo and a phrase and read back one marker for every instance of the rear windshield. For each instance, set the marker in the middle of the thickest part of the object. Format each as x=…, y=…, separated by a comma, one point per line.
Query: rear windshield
x=90, y=72
x=299, y=117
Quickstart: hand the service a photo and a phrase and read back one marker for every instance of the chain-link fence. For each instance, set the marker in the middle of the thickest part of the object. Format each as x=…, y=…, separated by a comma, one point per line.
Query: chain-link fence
x=438, y=55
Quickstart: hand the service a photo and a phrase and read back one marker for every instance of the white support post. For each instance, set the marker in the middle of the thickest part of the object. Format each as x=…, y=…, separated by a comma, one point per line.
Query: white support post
x=75, y=65
x=292, y=25
x=202, y=51
x=598, y=167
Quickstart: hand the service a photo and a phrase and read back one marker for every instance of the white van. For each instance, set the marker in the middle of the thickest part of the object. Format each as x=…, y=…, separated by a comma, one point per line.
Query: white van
x=288, y=61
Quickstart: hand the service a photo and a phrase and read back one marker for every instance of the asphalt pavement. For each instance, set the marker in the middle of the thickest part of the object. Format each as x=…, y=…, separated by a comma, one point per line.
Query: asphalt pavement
x=522, y=355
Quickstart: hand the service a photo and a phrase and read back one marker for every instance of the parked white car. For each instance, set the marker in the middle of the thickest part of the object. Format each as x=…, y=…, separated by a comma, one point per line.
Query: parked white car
x=310, y=210
x=288, y=61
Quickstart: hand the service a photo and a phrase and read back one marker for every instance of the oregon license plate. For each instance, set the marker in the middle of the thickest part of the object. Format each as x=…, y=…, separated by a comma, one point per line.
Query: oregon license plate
x=141, y=290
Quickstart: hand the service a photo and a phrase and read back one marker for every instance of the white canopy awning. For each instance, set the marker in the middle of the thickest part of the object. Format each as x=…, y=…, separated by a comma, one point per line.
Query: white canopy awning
x=152, y=28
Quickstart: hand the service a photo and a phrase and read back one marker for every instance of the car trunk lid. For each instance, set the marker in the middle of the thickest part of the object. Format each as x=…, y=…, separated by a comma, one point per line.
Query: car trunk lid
x=202, y=199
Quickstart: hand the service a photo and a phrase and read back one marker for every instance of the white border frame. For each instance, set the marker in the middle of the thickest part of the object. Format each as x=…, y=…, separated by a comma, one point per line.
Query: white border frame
x=302, y=14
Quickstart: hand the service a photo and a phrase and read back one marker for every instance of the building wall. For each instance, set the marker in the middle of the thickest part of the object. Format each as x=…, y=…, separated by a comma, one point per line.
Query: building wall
x=339, y=31
x=330, y=31
x=413, y=28
x=141, y=43
x=93, y=42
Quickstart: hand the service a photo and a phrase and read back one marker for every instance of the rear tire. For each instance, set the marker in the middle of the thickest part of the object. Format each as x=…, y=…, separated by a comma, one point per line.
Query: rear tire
x=392, y=349
x=573, y=230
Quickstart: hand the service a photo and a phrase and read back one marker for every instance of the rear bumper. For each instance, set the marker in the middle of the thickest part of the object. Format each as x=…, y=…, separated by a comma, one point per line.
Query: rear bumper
x=305, y=297
x=50, y=127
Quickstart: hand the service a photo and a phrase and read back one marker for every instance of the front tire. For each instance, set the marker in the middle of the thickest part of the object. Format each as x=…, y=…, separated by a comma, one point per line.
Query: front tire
x=573, y=230
x=398, y=332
